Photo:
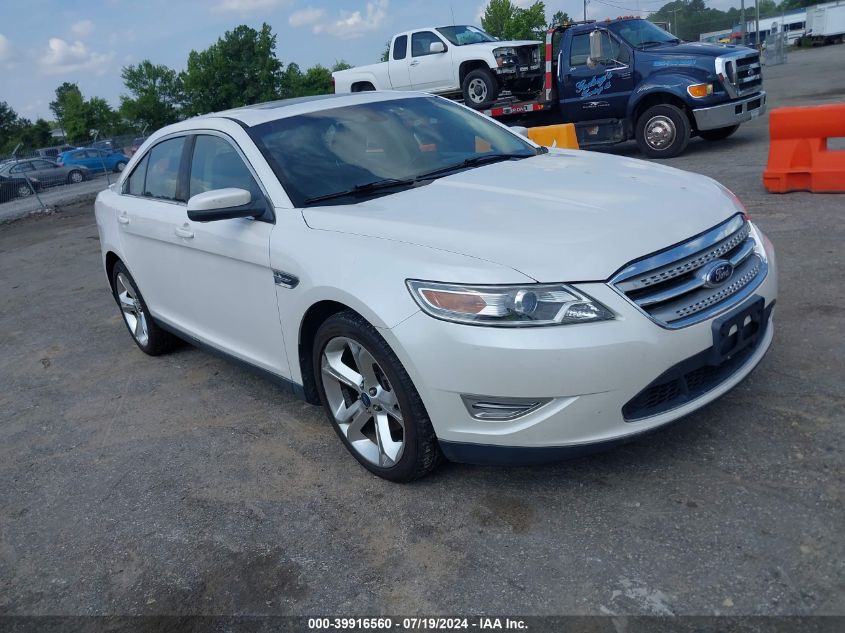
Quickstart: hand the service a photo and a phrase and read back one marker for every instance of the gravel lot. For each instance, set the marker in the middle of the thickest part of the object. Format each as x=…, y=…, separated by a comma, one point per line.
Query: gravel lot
x=134, y=485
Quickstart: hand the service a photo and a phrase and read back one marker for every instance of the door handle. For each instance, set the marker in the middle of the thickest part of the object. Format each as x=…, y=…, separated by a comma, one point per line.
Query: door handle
x=123, y=218
x=184, y=231
x=416, y=62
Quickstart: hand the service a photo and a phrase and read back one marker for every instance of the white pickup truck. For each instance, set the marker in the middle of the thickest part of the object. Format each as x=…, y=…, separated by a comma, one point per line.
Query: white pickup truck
x=450, y=60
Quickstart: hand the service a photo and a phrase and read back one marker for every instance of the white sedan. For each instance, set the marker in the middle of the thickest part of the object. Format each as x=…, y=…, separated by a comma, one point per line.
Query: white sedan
x=443, y=286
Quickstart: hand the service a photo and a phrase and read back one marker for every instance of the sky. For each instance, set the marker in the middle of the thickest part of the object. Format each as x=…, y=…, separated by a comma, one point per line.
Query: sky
x=46, y=42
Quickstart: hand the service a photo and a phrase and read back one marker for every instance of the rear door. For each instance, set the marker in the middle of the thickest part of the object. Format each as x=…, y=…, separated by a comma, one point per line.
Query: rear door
x=430, y=71
x=152, y=205
x=596, y=91
x=397, y=68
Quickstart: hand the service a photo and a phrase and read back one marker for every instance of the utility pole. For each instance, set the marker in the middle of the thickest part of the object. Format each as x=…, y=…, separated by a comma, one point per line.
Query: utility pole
x=757, y=26
x=585, y=10
x=742, y=21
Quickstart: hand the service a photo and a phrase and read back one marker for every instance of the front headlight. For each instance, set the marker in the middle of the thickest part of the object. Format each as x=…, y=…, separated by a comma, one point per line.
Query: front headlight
x=507, y=306
x=504, y=55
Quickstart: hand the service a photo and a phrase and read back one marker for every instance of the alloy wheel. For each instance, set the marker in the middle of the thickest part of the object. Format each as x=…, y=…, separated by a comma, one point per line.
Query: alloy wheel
x=660, y=132
x=24, y=191
x=363, y=402
x=133, y=312
x=76, y=177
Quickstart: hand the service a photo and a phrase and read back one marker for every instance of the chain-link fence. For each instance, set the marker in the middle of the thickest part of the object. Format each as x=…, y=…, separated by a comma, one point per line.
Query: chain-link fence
x=47, y=176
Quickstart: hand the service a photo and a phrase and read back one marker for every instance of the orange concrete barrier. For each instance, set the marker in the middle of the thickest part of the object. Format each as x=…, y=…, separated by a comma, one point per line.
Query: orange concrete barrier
x=561, y=136
x=799, y=159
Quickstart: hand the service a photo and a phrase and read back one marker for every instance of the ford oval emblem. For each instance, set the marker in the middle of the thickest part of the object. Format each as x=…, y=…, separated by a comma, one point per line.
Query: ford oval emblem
x=717, y=273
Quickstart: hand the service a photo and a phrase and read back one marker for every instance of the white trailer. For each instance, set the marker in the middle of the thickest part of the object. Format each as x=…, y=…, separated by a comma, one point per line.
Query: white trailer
x=826, y=22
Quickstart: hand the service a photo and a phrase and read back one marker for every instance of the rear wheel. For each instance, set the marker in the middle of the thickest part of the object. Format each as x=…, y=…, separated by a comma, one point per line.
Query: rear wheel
x=363, y=87
x=480, y=89
x=718, y=134
x=145, y=332
x=75, y=176
x=371, y=401
x=663, y=131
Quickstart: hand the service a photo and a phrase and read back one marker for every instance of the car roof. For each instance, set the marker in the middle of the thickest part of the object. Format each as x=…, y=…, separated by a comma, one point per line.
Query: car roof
x=252, y=115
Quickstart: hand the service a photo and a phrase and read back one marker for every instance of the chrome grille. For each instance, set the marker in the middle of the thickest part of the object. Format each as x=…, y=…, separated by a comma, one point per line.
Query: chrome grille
x=673, y=287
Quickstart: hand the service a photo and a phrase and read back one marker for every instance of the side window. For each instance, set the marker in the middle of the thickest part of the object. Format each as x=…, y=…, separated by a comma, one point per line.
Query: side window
x=421, y=41
x=217, y=165
x=135, y=182
x=43, y=164
x=580, y=50
x=400, y=47
x=163, y=169
x=610, y=47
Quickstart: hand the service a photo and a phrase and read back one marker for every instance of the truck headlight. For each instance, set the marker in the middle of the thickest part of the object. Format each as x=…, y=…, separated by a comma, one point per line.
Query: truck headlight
x=507, y=306
x=504, y=55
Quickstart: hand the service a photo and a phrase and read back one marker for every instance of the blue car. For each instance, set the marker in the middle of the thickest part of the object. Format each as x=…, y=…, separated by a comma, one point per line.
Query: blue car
x=94, y=159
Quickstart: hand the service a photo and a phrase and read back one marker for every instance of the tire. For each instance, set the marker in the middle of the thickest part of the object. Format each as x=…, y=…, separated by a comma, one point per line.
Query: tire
x=383, y=391
x=75, y=177
x=719, y=133
x=121, y=165
x=663, y=131
x=480, y=89
x=146, y=333
x=23, y=191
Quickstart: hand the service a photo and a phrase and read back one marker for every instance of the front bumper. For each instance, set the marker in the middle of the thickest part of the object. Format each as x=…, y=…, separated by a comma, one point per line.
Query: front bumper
x=589, y=371
x=732, y=113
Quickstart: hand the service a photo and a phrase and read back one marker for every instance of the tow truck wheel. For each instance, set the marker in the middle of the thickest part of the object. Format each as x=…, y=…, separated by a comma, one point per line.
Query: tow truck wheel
x=718, y=134
x=663, y=131
x=480, y=89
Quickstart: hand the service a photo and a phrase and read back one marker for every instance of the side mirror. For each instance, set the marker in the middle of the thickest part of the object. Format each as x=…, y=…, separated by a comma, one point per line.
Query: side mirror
x=436, y=47
x=223, y=204
x=596, y=52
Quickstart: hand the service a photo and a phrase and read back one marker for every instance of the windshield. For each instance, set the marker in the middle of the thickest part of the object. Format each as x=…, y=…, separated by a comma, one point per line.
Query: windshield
x=641, y=33
x=460, y=35
x=329, y=152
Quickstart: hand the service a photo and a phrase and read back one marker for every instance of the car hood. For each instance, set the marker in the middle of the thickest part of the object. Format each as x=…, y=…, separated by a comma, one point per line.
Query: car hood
x=562, y=216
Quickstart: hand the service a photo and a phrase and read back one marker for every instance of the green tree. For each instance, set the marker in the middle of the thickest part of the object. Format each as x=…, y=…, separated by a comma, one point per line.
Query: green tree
x=155, y=95
x=505, y=20
x=239, y=69
x=385, y=54
x=560, y=17
x=68, y=95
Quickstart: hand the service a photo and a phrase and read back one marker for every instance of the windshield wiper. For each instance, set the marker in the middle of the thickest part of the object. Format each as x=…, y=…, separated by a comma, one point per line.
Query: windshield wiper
x=474, y=161
x=364, y=189
x=658, y=43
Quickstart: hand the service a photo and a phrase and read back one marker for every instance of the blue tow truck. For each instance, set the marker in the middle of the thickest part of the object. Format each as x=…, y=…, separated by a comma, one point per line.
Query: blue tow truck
x=629, y=79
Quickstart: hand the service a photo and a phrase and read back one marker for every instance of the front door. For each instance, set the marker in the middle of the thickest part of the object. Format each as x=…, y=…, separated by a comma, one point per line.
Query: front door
x=224, y=267
x=430, y=71
x=596, y=91
x=397, y=68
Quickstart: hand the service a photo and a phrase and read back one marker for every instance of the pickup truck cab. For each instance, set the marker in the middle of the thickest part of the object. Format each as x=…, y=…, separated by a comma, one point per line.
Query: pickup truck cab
x=451, y=60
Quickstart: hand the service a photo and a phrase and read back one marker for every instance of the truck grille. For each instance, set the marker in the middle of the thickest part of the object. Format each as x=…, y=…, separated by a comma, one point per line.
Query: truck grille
x=691, y=282
x=749, y=75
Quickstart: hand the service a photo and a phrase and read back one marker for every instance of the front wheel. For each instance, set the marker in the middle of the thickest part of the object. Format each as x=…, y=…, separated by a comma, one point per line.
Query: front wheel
x=480, y=89
x=75, y=177
x=718, y=134
x=371, y=401
x=24, y=190
x=663, y=131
